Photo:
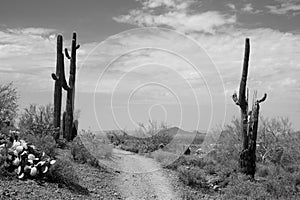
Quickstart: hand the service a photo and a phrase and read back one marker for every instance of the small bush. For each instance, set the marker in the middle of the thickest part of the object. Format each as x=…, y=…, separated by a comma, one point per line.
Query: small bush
x=191, y=195
x=3, y=172
x=210, y=169
x=192, y=176
x=82, y=155
x=96, y=146
x=8, y=103
x=188, y=160
x=293, y=168
x=44, y=143
x=36, y=127
x=240, y=187
x=132, y=148
x=263, y=171
x=282, y=186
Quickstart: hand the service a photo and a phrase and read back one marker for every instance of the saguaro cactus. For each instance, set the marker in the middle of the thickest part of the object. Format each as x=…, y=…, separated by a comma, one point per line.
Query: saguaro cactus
x=58, y=77
x=60, y=82
x=249, y=119
x=71, y=89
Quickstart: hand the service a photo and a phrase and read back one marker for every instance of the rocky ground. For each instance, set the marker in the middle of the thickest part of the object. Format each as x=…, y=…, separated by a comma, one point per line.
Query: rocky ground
x=128, y=176
x=97, y=181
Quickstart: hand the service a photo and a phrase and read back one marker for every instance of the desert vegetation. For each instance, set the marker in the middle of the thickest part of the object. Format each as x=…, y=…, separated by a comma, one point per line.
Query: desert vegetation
x=34, y=128
x=218, y=173
x=150, y=137
x=254, y=157
x=34, y=145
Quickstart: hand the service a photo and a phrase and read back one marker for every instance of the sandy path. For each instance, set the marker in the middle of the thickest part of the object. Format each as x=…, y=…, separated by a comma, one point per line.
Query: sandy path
x=142, y=178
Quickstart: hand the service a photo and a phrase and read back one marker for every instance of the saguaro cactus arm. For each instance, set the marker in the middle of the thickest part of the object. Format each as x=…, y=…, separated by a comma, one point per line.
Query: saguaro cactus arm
x=67, y=54
x=262, y=99
x=62, y=79
x=235, y=99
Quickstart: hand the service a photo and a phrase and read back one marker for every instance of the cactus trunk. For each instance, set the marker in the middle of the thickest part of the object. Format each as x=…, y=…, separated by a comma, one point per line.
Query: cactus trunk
x=71, y=90
x=58, y=85
x=63, y=124
x=243, y=101
x=249, y=127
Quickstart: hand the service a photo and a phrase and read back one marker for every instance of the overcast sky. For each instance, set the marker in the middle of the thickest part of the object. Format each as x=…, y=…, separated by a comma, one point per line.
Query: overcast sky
x=183, y=73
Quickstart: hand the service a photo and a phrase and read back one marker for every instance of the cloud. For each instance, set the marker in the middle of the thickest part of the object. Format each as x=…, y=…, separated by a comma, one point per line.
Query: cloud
x=249, y=9
x=232, y=6
x=32, y=31
x=178, y=16
x=28, y=57
x=18, y=42
x=171, y=4
x=289, y=82
x=285, y=7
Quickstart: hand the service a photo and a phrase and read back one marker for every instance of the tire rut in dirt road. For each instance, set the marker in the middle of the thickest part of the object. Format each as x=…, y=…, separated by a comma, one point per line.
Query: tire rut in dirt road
x=142, y=178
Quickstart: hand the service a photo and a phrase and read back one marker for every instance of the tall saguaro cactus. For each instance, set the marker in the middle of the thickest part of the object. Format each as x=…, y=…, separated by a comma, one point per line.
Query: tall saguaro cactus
x=69, y=125
x=249, y=119
x=58, y=77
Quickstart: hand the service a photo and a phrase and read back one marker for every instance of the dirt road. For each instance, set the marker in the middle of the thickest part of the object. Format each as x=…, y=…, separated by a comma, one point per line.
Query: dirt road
x=142, y=178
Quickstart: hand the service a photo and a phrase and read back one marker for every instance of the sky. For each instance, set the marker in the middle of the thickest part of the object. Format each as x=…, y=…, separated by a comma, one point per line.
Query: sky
x=175, y=61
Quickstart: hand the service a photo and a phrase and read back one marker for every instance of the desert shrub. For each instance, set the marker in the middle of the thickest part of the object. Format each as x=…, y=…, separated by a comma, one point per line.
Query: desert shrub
x=62, y=143
x=45, y=143
x=277, y=142
x=282, y=186
x=229, y=143
x=129, y=147
x=263, y=171
x=96, y=146
x=36, y=127
x=80, y=154
x=188, y=160
x=210, y=169
x=34, y=114
x=63, y=173
x=146, y=139
x=240, y=187
x=192, y=176
x=83, y=155
x=292, y=168
x=3, y=172
x=8, y=103
x=275, y=186
x=191, y=195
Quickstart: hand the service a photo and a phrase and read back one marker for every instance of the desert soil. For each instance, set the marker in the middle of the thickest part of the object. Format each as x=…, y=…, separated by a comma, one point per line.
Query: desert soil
x=97, y=181
x=142, y=178
x=130, y=176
